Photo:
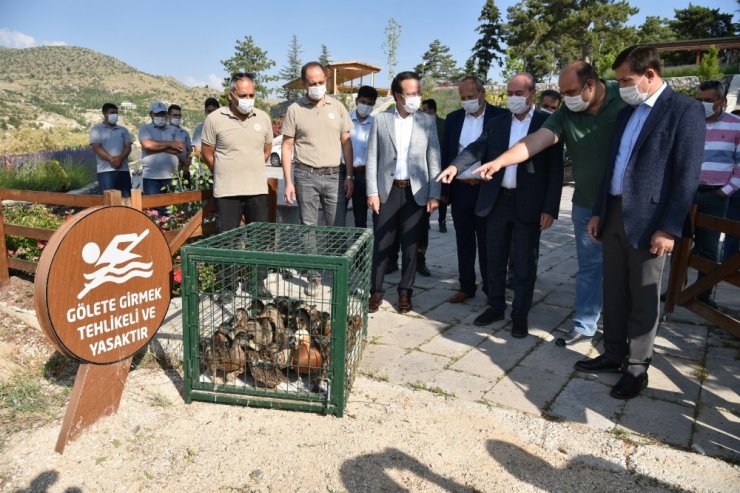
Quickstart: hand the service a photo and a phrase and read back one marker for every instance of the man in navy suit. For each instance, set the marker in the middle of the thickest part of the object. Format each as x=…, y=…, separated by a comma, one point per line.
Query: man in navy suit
x=463, y=127
x=648, y=187
x=518, y=203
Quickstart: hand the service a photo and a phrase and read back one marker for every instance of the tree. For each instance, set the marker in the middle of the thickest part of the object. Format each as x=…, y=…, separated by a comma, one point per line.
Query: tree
x=513, y=65
x=248, y=57
x=549, y=34
x=655, y=29
x=488, y=47
x=292, y=70
x=390, y=46
x=437, y=64
x=696, y=22
x=324, y=58
x=709, y=67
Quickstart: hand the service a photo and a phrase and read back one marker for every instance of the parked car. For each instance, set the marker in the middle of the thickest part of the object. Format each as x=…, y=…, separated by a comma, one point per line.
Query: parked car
x=277, y=144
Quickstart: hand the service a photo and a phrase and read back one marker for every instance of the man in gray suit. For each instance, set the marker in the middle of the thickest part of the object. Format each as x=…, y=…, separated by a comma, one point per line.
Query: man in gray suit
x=402, y=162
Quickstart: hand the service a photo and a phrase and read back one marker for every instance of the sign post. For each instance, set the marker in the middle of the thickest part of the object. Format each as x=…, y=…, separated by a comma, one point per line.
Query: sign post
x=102, y=290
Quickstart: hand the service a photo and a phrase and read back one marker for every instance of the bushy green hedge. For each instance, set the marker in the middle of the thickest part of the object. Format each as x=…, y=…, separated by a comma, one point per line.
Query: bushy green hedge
x=47, y=176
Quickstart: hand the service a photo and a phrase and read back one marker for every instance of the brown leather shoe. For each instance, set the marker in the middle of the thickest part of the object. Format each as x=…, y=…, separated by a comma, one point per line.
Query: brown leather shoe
x=459, y=297
x=404, y=303
x=374, y=303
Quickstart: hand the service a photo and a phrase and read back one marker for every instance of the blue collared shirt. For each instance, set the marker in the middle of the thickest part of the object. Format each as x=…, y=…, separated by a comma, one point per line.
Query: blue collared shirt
x=629, y=137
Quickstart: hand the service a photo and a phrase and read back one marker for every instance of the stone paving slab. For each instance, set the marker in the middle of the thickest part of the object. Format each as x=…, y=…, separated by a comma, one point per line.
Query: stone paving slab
x=588, y=402
x=721, y=386
x=401, y=331
x=681, y=340
x=461, y=385
x=456, y=340
x=674, y=379
x=495, y=355
x=717, y=433
x=666, y=421
x=526, y=389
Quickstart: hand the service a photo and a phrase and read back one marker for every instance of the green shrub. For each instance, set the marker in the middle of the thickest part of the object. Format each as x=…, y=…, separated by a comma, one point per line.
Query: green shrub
x=709, y=66
x=35, y=216
x=47, y=176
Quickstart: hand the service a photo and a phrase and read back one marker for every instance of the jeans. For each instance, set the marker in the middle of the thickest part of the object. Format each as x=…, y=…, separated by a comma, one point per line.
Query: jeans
x=155, y=186
x=732, y=243
x=312, y=189
x=115, y=180
x=589, y=276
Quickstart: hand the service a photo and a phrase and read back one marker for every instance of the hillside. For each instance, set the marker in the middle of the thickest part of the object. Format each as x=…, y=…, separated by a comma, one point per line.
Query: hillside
x=49, y=86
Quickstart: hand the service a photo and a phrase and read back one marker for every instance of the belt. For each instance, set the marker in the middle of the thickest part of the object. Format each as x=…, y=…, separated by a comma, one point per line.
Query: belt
x=508, y=191
x=468, y=181
x=708, y=188
x=359, y=170
x=617, y=198
x=401, y=183
x=319, y=171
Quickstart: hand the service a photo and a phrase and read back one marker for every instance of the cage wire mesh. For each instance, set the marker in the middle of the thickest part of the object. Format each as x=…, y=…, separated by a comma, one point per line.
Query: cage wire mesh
x=275, y=315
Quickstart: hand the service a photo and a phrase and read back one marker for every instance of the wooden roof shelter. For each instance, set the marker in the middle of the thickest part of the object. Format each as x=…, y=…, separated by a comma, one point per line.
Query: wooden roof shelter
x=698, y=45
x=340, y=73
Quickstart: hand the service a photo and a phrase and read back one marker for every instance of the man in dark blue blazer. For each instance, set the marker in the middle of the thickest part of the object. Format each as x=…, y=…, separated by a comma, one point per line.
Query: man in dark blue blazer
x=518, y=203
x=463, y=127
x=648, y=188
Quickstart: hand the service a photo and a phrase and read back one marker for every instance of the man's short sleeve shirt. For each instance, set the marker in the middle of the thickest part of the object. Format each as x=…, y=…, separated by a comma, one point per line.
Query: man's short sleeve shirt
x=113, y=140
x=317, y=130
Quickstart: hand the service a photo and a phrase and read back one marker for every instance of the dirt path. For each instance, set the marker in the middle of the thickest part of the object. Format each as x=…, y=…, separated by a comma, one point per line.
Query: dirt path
x=392, y=438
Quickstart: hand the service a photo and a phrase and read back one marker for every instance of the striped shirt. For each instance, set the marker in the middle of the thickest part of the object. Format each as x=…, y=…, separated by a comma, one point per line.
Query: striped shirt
x=721, y=164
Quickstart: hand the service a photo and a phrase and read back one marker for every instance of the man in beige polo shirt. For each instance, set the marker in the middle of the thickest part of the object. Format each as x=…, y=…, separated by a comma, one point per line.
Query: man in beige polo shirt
x=236, y=142
x=317, y=128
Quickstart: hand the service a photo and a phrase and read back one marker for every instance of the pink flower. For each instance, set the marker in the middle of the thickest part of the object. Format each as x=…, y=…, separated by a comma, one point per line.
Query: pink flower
x=41, y=244
x=177, y=276
x=154, y=212
x=11, y=253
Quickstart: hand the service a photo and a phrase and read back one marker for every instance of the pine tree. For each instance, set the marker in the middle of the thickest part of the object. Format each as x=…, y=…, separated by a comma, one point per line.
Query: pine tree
x=488, y=47
x=292, y=70
x=249, y=57
x=437, y=64
x=324, y=58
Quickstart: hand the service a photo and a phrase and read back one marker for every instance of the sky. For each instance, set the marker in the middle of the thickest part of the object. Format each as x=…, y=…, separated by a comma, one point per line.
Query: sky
x=188, y=39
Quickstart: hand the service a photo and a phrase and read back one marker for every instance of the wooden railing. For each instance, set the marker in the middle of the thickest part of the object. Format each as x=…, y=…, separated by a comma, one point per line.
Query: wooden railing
x=714, y=273
x=193, y=228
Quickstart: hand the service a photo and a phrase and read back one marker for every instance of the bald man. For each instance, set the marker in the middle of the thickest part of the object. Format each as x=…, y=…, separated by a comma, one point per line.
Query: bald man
x=585, y=123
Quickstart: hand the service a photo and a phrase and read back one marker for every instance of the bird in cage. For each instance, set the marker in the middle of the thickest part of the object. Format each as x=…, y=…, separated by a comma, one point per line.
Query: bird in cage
x=306, y=359
x=220, y=352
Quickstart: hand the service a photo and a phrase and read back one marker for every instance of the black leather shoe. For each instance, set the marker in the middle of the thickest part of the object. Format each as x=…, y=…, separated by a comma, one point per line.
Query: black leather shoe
x=519, y=328
x=629, y=386
x=571, y=338
x=488, y=317
x=422, y=269
x=599, y=364
x=442, y=227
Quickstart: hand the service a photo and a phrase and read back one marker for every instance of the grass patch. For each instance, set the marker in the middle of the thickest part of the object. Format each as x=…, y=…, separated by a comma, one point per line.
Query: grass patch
x=372, y=375
x=47, y=176
x=159, y=400
x=439, y=391
x=27, y=400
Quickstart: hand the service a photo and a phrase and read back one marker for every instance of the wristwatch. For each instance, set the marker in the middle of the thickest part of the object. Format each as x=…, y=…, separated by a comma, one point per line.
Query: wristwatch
x=350, y=177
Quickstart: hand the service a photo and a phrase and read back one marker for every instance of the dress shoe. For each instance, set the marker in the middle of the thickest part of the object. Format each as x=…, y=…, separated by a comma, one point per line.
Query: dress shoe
x=404, y=302
x=442, y=227
x=629, y=386
x=488, y=317
x=519, y=328
x=599, y=364
x=571, y=338
x=422, y=269
x=392, y=267
x=459, y=297
x=374, y=304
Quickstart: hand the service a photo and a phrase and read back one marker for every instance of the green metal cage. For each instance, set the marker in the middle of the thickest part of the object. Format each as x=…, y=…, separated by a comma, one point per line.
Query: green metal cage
x=275, y=315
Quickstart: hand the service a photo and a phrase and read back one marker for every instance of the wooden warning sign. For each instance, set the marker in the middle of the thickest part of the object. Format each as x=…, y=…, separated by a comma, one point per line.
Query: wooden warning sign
x=102, y=290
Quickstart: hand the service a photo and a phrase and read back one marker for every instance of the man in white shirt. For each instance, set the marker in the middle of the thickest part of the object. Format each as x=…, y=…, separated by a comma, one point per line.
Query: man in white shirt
x=362, y=120
x=400, y=184
x=461, y=128
x=517, y=203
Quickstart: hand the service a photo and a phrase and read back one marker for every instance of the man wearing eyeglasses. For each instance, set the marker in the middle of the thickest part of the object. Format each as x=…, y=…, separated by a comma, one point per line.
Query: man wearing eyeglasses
x=316, y=128
x=400, y=184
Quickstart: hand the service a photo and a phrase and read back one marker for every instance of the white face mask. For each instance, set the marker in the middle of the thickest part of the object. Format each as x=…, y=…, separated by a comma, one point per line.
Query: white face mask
x=363, y=110
x=708, y=109
x=176, y=121
x=632, y=95
x=576, y=104
x=113, y=118
x=317, y=92
x=546, y=110
x=517, y=104
x=471, y=105
x=159, y=121
x=413, y=103
x=245, y=105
